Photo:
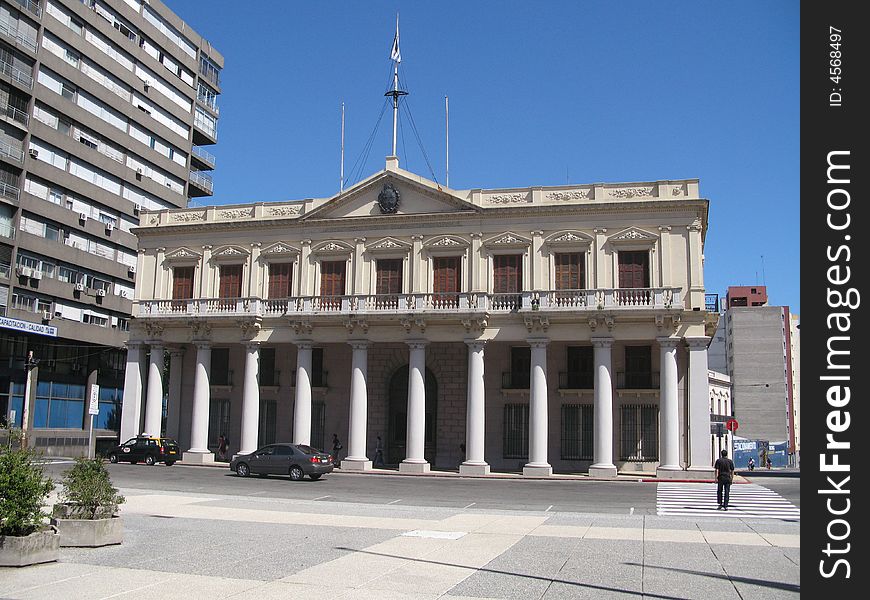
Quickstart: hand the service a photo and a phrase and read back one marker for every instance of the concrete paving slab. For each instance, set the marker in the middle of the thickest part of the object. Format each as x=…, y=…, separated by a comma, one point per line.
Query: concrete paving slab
x=614, y=533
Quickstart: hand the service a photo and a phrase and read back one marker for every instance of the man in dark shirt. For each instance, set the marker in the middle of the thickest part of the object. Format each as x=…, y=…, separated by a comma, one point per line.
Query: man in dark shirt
x=724, y=475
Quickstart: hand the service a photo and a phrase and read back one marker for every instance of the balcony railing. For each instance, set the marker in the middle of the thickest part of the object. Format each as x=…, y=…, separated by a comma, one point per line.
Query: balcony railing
x=202, y=180
x=16, y=114
x=637, y=380
x=514, y=380
x=208, y=101
x=14, y=34
x=31, y=6
x=7, y=190
x=15, y=73
x=205, y=155
x=7, y=231
x=558, y=301
x=576, y=380
x=10, y=151
x=5, y=270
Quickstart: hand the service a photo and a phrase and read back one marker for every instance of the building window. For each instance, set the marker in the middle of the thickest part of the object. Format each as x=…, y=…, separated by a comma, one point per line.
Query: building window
x=218, y=421
x=182, y=284
x=268, y=374
x=230, y=287
x=220, y=367
x=577, y=431
x=638, y=368
x=521, y=364
x=318, y=425
x=634, y=277
x=569, y=273
x=446, y=282
x=332, y=283
x=110, y=409
x=388, y=283
x=516, y=431
x=580, y=373
x=507, y=283
x=640, y=439
x=59, y=405
x=280, y=280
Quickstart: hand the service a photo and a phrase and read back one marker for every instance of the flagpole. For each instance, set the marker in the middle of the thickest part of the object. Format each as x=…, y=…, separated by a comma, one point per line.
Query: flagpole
x=396, y=57
x=447, y=126
x=341, y=179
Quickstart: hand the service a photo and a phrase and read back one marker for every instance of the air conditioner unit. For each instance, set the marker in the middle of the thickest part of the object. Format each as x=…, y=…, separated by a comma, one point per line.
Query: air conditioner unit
x=131, y=268
x=83, y=216
x=46, y=315
x=146, y=85
x=139, y=174
x=25, y=271
x=36, y=274
x=101, y=292
x=110, y=226
x=34, y=153
x=137, y=208
x=80, y=287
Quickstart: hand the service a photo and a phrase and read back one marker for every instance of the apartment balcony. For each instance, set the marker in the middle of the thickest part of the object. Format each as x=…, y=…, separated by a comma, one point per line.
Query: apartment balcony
x=200, y=185
x=11, y=32
x=552, y=302
x=10, y=192
x=11, y=153
x=16, y=75
x=30, y=6
x=15, y=116
x=202, y=157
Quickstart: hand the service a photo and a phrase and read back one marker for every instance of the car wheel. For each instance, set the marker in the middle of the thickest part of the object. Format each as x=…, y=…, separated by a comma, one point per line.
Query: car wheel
x=169, y=463
x=315, y=476
x=242, y=470
x=296, y=473
x=113, y=458
x=149, y=460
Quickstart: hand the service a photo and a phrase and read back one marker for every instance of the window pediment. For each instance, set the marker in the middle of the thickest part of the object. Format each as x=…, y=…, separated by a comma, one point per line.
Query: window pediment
x=183, y=254
x=388, y=245
x=507, y=240
x=279, y=250
x=332, y=248
x=633, y=237
x=446, y=242
x=568, y=240
x=230, y=253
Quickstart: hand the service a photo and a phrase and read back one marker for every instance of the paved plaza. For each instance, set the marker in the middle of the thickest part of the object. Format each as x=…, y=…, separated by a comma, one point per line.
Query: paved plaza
x=205, y=545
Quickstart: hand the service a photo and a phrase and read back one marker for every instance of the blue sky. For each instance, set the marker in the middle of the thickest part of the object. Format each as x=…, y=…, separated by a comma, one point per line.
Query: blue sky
x=540, y=93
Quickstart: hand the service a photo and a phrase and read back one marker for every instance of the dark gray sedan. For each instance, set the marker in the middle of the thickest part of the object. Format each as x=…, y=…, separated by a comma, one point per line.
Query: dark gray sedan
x=295, y=460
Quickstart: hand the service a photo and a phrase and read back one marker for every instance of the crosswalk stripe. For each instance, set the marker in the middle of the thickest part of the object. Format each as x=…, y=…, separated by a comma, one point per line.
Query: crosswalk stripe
x=745, y=500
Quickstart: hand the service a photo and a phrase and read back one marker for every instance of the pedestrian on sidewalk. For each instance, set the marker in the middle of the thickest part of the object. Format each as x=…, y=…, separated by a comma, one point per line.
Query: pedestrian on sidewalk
x=336, y=448
x=724, y=477
x=222, y=447
x=769, y=462
x=379, y=453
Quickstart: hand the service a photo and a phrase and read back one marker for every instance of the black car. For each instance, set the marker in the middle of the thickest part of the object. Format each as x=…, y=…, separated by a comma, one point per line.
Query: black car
x=150, y=450
x=295, y=460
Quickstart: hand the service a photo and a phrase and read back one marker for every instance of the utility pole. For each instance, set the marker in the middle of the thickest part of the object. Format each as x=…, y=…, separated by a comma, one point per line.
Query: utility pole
x=29, y=364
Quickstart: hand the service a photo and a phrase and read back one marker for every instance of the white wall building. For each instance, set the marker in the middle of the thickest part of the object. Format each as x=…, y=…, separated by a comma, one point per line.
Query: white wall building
x=543, y=328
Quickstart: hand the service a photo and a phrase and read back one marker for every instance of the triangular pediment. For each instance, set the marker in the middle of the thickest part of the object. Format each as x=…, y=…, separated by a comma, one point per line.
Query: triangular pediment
x=182, y=254
x=633, y=234
x=416, y=195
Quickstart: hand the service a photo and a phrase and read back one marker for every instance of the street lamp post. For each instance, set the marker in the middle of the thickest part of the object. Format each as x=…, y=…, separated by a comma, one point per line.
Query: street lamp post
x=30, y=364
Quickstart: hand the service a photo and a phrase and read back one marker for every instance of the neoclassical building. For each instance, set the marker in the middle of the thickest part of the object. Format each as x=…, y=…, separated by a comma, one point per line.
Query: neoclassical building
x=538, y=329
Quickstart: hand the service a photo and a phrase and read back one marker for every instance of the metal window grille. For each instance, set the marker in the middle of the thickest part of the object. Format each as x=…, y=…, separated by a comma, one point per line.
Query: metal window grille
x=516, y=431
x=577, y=441
x=640, y=433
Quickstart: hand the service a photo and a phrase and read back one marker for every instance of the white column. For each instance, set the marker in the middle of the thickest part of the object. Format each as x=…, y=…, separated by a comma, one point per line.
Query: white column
x=698, y=419
x=415, y=461
x=356, y=439
x=173, y=405
x=154, y=395
x=669, y=417
x=199, y=452
x=602, y=465
x=302, y=406
x=475, y=414
x=538, y=400
x=251, y=399
x=132, y=403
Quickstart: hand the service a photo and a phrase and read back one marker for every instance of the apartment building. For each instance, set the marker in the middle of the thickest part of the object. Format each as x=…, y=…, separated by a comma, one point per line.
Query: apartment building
x=534, y=329
x=106, y=110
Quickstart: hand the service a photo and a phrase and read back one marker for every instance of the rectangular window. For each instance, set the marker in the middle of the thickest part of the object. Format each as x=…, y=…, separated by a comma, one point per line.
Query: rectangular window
x=59, y=405
x=521, y=365
x=446, y=282
x=182, y=283
x=634, y=278
x=220, y=367
x=388, y=283
x=639, y=441
x=280, y=280
x=507, y=281
x=516, y=431
x=230, y=284
x=569, y=276
x=577, y=431
x=638, y=367
x=218, y=421
x=581, y=371
x=318, y=375
x=332, y=283
x=268, y=374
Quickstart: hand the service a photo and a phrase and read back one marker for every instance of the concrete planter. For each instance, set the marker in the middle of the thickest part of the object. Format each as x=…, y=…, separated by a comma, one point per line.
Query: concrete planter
x=39, y=547
x=89, y=533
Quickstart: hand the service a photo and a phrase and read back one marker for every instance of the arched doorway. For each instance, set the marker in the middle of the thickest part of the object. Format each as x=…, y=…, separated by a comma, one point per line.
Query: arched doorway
x=397, y=421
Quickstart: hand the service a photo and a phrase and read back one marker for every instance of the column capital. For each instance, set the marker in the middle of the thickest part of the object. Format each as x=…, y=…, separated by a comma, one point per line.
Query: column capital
x=476, y=344
x=417, y=237
x=304, y=344
x=697, y=343
x=202, y=344
x=359, y=240
x=668, y=342
x=417, y=344
x=602, y=342
x=155, y=344
x=538, y=342
x=135, y=344
x=207, y=247
x=360, y=344
x=252, y=345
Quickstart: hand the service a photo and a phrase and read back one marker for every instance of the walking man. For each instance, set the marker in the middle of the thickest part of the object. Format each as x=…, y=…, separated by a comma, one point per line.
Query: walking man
x=379, y=453
x=724, y=477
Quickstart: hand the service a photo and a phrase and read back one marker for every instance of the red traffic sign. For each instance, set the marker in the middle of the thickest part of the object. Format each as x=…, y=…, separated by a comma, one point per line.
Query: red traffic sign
x=731, y=425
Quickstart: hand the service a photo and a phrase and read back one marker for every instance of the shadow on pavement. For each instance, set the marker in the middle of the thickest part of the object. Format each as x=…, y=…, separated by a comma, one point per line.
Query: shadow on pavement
x=790, y=587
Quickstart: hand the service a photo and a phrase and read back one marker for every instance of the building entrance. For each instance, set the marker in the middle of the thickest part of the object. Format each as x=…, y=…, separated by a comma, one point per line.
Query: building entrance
x=398, y=416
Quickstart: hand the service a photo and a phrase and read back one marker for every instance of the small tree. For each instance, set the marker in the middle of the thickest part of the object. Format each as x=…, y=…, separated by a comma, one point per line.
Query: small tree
x=88, y=490
x=23, y=488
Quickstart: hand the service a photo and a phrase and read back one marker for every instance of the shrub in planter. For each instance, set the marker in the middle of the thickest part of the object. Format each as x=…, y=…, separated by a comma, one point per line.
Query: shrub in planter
x=86, y=514
x=24, y=539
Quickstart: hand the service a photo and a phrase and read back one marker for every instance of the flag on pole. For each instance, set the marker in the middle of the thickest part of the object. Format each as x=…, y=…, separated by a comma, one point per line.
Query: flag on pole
x=394, y=53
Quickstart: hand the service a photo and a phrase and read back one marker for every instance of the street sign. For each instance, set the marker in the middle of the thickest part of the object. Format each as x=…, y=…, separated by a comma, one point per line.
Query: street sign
x=731, y=425
x=94, y=406
x=717, y=428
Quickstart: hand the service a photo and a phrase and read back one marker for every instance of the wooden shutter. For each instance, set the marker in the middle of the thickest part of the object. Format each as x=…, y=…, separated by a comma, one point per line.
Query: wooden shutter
x=446, y=282
x=280, y=280
x=231, y=281
x=182, y=283
x=507, y=280
x=332, y=283
x=634, y=269
x=569, y=271
x=388, y=282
